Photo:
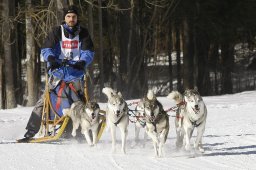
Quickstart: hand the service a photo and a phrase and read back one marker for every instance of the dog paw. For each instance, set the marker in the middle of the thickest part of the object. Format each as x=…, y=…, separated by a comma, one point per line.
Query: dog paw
x=160, y=156
x=73, y=134
x=123, y=151
x=201, y=149
x=90, y=143
x=187, y=148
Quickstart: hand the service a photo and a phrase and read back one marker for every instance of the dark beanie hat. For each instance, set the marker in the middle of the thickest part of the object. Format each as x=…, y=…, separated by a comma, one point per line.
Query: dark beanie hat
x=70, y=9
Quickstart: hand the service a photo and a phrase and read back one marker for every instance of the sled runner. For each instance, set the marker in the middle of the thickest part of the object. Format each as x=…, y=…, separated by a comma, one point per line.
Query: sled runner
x=63, y=87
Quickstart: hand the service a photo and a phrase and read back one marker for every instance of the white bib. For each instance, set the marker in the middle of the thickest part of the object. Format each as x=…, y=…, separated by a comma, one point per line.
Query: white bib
x=70, y=48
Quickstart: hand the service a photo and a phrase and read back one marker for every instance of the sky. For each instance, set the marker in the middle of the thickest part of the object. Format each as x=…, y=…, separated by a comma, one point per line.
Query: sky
x=229, y=141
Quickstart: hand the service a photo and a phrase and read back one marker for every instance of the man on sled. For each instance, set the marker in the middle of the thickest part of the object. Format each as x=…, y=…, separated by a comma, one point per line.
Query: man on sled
x=68, y=50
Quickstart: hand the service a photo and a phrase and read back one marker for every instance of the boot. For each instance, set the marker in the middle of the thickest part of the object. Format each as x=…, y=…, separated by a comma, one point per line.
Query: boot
x=29, y=134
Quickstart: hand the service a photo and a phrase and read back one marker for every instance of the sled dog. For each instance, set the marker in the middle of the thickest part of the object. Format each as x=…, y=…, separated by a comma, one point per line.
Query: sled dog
x=117, y=116
x=191, y=114
x=87, y=116
x=157, y=122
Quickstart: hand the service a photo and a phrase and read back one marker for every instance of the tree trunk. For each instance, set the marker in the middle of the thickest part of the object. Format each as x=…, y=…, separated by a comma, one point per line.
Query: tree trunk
x=124, y=18
x=227, y=57
x=90, y=84
x=178, y=59
x=2, y=90
x=60, y=16
x=108, y=46
x=213, y=65
x=1, y=83
x=101, y=47
x=30, y=58
x=137, y=84
x=90, y=20
x=169, y=41
x=202, y=80
x=188, y=54
x=8, y=42
x=19, y=92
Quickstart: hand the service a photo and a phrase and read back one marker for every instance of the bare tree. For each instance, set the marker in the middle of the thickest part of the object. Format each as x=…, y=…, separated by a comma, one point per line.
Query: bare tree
x=178, y=58
x=8, y=43
x=30, y=57
x=59, y=5
x=1, y=83
x=188, y=53
x=101, y=45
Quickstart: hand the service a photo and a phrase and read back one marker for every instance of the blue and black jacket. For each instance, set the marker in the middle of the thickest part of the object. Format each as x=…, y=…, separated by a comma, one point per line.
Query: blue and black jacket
x=51, y=46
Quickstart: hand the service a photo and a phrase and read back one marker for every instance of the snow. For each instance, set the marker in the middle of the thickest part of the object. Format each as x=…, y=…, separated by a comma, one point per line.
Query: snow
x=229, y=141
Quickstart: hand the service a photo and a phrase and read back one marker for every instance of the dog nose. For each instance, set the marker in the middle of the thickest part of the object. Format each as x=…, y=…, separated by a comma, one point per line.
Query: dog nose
x=196, y=106
x=117, y=113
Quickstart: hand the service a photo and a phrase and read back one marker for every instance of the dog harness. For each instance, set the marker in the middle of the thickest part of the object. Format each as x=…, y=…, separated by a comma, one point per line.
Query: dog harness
x=124, y=111
x=162, y=114
x=197, y=122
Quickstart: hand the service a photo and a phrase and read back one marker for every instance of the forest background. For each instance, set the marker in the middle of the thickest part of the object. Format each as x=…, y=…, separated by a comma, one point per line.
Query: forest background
x=139, y=44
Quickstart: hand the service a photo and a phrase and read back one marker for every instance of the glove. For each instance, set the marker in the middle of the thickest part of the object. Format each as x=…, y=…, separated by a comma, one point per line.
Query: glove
x=79, y=65
x=53, y=63
x=64, y=62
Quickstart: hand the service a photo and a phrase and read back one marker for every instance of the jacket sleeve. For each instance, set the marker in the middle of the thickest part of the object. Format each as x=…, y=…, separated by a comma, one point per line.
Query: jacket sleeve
x=87, y=51
x=50, y=44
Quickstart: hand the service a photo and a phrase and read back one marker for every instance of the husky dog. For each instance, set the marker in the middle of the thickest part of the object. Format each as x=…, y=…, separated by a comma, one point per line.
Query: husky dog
x=157, y=122
x=87, y=116
x=191, y=114
x=117, y=116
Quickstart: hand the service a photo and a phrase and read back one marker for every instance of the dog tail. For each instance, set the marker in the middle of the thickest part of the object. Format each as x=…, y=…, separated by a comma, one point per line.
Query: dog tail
x=66, y=111
x=108, y=91
x=176, y=96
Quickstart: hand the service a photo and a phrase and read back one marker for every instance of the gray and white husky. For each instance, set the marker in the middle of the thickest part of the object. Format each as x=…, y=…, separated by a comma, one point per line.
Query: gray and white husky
x=157, y=121
x=117, y=116
x=86, y=116
x=191, y=114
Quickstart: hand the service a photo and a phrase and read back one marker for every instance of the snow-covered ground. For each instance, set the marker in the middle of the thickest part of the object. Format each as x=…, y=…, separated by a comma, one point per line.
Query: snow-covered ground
x=229, y=141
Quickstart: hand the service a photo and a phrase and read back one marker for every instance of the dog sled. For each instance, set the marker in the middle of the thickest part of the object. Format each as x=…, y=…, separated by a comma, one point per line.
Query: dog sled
x=63, y=87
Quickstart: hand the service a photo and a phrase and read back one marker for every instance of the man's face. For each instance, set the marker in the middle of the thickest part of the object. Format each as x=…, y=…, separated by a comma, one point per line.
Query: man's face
x=71, y=19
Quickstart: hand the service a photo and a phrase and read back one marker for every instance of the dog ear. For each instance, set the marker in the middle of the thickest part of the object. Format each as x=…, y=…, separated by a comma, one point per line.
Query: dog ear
x=151, y=95
x=186, y=92
x=109, y=92
x=185, y=98
x=112, y=94
x=196, y=90
x=120, y=94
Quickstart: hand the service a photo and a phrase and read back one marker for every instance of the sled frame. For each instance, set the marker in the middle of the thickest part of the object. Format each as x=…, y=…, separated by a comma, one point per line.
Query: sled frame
x=59, y=124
